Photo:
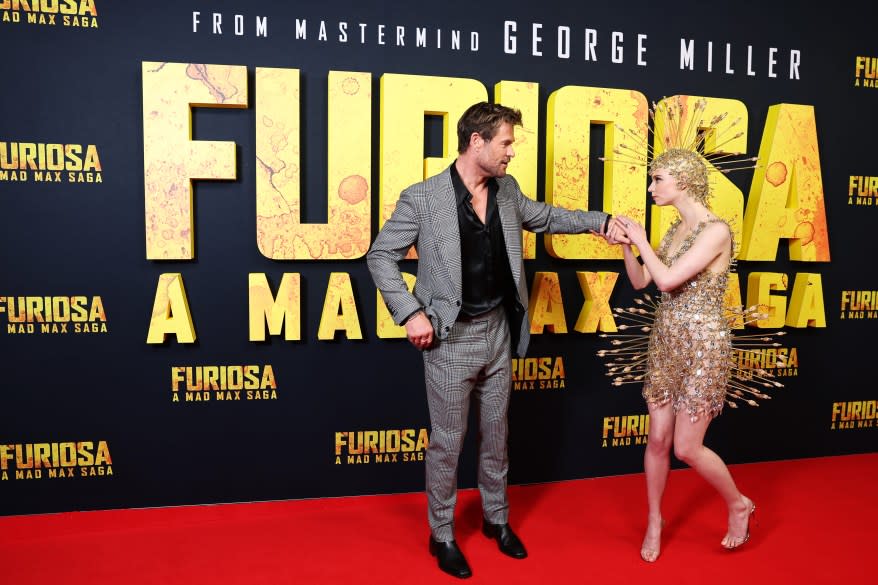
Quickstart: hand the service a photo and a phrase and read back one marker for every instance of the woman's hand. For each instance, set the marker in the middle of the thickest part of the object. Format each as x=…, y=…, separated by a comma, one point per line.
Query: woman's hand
x=633, y=231
x=616, y=233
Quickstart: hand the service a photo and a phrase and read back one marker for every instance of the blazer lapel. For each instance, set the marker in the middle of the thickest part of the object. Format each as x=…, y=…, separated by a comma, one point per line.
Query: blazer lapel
x=446, y=230
x=511, y=230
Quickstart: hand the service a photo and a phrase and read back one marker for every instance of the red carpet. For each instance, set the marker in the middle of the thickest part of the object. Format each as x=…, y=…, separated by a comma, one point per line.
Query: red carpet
x=816, y=524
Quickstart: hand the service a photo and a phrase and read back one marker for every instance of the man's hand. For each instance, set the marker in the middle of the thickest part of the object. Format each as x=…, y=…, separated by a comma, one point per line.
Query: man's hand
x=616, y=232
x=419, y=330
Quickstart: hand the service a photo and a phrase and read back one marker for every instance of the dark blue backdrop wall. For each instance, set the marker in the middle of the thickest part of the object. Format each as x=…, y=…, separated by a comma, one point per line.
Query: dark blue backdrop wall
x=306, y=119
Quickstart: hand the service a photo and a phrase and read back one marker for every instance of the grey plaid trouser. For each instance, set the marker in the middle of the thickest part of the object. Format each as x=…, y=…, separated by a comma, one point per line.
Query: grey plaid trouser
x=472, y=363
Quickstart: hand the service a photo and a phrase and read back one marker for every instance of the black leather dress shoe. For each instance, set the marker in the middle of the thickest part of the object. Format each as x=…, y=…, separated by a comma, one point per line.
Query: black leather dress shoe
x=507, y=542
x=450, y=558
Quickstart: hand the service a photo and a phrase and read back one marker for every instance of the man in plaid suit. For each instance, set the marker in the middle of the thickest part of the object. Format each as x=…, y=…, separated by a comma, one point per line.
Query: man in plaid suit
x=468, y=310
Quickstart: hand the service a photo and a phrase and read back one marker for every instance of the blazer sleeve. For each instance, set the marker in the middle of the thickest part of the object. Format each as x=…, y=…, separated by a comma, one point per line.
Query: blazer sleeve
x=398, y=234
x=541, y=217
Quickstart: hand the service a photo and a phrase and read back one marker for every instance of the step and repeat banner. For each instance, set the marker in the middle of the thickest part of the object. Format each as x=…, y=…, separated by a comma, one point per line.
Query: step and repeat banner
x=188, y=190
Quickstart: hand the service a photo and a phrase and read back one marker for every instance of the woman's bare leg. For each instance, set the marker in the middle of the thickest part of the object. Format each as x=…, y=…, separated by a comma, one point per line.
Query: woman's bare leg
x=689, y=448
x=656, y=464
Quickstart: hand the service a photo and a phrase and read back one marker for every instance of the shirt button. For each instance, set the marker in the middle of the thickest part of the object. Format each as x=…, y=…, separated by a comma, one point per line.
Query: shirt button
x=457, y=303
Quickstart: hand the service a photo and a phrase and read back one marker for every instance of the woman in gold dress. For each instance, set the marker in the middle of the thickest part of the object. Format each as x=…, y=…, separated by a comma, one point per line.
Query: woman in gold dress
x=688, y=362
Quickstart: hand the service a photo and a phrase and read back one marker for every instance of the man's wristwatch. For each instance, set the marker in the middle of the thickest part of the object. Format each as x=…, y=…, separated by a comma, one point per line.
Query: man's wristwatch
x=607, y=222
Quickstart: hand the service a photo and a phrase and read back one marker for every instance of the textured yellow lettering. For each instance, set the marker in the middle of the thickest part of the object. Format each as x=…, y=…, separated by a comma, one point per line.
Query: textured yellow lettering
x=546, y=307
x=806, y=302
x=759, y=287
x=571, y=111
x=171, y=159
x=170, y=312
x=786, y=196
x=281, y=235
x=281, y=312
x=339, y=309
x=596, y=312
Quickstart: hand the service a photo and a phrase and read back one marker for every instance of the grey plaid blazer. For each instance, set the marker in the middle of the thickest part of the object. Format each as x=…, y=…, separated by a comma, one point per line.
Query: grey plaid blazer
x=426, y=216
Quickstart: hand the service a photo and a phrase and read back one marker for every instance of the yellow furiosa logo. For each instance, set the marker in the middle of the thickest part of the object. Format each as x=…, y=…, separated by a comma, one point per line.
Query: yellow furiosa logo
x=859, y=304
x=763, y=221
x=543, y=373
x=76, y=314
x=862, y=190
x=777, y=361
x=55, y=460
x=49, y=163
x=854, y=415
x=223, y=383
x=382, y=446
x=865, y=71
x=621, y=431
x=74, y=13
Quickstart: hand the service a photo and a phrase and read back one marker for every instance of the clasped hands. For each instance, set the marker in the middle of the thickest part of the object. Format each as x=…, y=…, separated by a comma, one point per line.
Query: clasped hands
x=624, y=230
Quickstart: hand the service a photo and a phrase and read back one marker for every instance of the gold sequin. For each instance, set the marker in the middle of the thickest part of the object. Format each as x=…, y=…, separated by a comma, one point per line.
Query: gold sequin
x=688, y=357
x=681, y=346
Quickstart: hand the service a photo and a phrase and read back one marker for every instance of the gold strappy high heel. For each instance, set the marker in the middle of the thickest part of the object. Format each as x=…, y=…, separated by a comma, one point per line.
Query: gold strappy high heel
x=651, y=555
x=751, y=516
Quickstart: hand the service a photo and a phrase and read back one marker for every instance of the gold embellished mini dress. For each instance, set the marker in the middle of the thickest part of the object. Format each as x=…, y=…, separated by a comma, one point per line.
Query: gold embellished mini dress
x=689, y=355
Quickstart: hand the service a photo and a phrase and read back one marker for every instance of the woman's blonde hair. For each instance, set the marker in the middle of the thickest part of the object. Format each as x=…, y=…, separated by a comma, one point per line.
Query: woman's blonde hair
x=688, y=168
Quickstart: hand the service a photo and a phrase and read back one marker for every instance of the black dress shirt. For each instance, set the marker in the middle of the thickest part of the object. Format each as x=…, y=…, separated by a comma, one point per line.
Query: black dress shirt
x=485, y=272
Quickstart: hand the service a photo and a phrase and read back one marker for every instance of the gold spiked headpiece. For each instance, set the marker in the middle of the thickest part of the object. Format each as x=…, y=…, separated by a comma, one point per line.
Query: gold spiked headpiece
x=680, y=138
